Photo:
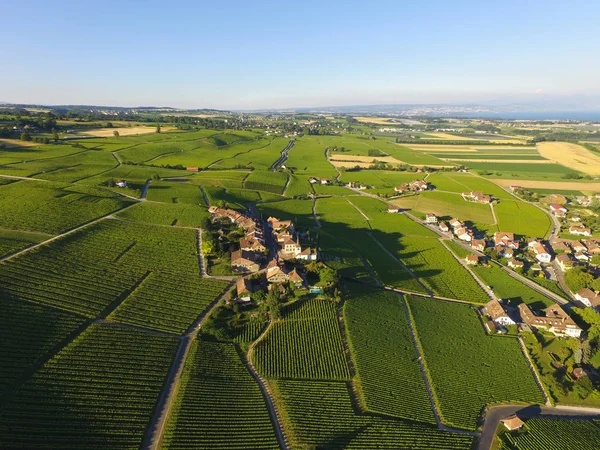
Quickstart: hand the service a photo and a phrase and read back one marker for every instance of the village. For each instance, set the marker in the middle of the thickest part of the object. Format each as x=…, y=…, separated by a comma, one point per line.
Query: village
x=270, y=256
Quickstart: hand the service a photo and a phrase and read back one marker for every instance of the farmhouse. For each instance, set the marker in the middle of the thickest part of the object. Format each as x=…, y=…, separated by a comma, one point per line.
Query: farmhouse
x=400, y=189
x=564, y=261
x=478, y=244
x=313, y=180
x=121, y=183
x=464, y=234
x=295, y=278
x=419, y=185
x=393, y=209
x=243, y=261
x=555, y=320
x=579, y=373
x=515, y=188
x=431, y=218
x=589, y=298
x=192, y=168
x=476, y=196
x=512, y=423
x=472, y=260
x=444, y=227
x=505, y=239
x=324, y=181
x=495, y=311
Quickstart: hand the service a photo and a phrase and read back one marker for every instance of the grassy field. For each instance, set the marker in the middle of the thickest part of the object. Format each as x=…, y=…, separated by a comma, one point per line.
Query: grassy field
x=522, y=218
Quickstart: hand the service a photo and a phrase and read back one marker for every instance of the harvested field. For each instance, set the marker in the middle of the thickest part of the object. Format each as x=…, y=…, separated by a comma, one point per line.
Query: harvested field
x=123, y=131
x=365, y=159
x=12, y=143
x=515, y=161
x=363, y=165
x=571, y=155
x=380, y=120
x=557, y=185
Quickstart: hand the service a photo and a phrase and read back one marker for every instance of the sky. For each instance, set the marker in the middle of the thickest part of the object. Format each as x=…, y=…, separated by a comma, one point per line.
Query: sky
x=275, y=54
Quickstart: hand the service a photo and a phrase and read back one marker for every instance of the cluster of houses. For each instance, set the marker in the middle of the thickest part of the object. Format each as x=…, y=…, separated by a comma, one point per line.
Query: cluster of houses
x=356, y=185
x=413, y=186
x=460, y=230
x=252, y=246
x=287, y=240
x=571, y=252
x=477, y=197
x=553, y=319
x=575, y=227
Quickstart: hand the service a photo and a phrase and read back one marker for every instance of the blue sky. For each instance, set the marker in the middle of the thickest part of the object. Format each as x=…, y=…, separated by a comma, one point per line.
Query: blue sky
x=243, y=55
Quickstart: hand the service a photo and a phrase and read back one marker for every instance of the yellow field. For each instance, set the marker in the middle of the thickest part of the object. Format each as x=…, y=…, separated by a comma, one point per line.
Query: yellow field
x=379, y=120
x=512, y=161
x=587, y=188
x=123, y=131
x=439, y=148
x=365, y=159
x=571, y=155
x=11, y=143
x=448, y=136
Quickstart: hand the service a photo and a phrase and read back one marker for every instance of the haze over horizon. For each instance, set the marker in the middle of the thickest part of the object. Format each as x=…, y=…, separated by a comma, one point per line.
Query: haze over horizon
x=268, y=55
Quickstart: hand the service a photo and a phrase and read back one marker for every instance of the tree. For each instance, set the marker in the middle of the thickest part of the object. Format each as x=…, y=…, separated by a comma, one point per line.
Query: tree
x=116, y=133
x=272, y=301
x=109, y=125
x=578, y=279
x=25, y=136
x=595, y=260
x=158, y=128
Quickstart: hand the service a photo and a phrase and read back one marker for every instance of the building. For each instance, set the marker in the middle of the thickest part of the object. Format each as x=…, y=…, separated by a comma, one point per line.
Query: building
x=121, y=183
x=477, y=197
x=592, y=247
x=252, y=245
x=579, y=373
x=589, y=298
x=512, y=423
x=297, y=280
x=243, y=261
x=419, y=185
x=444, y=227
x=244, y=289
x=559, y=246
x=393, y=209
x=504, y=252
x=472, y=260
x=192, y=169
x=541, y=253
x=313, y=180
x=557, y=209
x=401, y=189
x=478, y=244
x=582, y=256
x=324, y=181
x=495, y=311
x=308, y=254
x=505, y=239
x=580, y=230
x=278, y=225
x=556, y=198
x=515, y=188
x=555, y=320
x=515, y=263
x=455, y=223
x=431, y=218
x=290, y=247
x=564, y=261
x=464, y=234
x=276, y=273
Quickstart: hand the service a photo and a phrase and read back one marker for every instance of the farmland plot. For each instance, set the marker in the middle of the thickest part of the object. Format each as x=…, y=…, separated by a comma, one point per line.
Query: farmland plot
x=388, y=371
x=468, y=368
x=181, y=214
x=306, y=345
x=209, y=413
x=542, y=432
x=99, y=392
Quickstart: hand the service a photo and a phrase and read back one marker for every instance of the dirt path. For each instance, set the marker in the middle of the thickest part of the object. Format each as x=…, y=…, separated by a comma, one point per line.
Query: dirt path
x=357, y=208
x=14, y=177
x=264, y=387
x=493, y=214
x=314, y=211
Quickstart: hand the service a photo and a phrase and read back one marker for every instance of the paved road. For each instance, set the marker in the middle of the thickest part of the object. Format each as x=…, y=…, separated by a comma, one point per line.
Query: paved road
x=496, y=413
x=284, y=156
x=145, y=190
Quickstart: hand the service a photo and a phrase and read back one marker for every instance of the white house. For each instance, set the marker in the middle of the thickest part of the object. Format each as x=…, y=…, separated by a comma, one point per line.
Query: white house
x=121, y=183
x=494, y=310
x=431, y=218
x=541, y=253
x=589, y=298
